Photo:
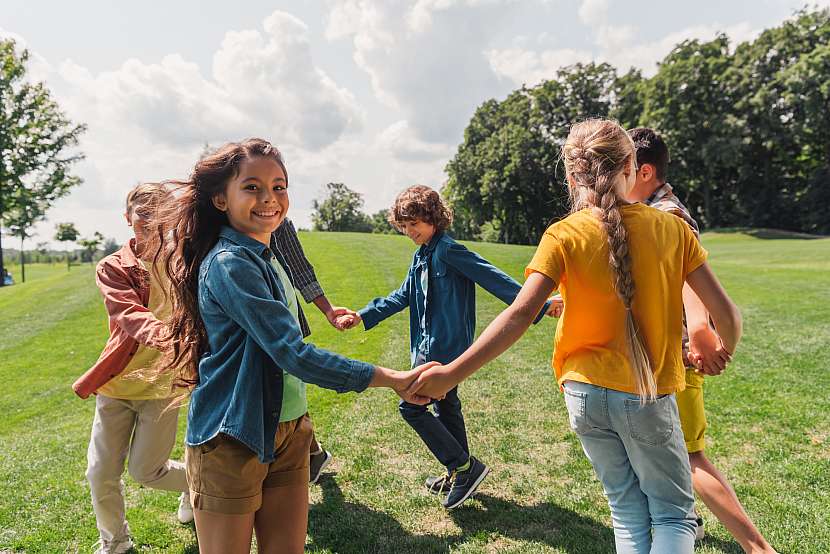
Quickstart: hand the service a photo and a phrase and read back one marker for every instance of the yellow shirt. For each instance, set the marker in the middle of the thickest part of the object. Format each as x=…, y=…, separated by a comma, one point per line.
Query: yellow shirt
x=590, y=342
x=136, y=382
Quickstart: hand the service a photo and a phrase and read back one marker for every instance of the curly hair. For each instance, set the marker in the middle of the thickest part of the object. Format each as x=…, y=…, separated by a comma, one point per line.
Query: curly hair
x=420, y=202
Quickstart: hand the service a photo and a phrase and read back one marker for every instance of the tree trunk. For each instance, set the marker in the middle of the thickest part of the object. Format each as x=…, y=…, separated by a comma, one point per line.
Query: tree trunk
x=67, y=261
x=22, y=262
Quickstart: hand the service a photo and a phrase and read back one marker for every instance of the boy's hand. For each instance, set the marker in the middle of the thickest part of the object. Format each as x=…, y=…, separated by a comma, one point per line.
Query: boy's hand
x=403, y=381
x=706, y=351
x=347, y=321
x=557, y=305
x=339, y=314
x=434, y=382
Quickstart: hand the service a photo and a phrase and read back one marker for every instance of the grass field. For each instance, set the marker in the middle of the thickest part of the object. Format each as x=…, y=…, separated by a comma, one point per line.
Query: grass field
x=769, y=418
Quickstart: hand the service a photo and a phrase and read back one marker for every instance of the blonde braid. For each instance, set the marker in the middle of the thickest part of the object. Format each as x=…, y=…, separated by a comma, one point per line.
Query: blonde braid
x=595, y=154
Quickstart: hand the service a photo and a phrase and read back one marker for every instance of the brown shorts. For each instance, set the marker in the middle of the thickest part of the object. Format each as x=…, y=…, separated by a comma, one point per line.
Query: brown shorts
x=225, y=476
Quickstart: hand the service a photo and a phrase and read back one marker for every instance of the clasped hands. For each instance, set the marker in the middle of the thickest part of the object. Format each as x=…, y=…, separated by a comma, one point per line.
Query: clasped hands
x=706, y=351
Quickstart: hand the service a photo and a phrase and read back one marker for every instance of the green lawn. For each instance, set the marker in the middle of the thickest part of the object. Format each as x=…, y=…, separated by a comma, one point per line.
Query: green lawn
x=769, y=418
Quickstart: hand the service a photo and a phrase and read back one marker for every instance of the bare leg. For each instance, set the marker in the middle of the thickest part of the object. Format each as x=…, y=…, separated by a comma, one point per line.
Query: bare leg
x=282, y=521
x=223, y=533
x=711, y=486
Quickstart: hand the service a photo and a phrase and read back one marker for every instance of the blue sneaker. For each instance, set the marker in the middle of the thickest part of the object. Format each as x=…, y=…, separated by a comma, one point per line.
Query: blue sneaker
x=465, y=483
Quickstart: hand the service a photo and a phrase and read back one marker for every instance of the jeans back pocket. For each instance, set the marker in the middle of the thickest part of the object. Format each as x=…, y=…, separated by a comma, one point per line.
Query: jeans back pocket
x=575, y=401
x=653, y=423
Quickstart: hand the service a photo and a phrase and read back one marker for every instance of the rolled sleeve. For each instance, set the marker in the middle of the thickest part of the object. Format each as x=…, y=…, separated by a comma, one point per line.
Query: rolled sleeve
x=312, y=291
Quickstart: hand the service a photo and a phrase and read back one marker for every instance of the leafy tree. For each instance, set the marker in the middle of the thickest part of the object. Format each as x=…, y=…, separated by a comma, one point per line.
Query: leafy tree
x=780, y=85
x=36, y=140
x=380, y=223
x=90, y=246
x=688, y=102
x=506, y=174
x=66, y=232
x=20, y=220
x=339, y=210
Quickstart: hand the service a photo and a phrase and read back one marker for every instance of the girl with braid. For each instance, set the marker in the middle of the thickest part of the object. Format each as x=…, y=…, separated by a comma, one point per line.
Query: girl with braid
x=620, y=268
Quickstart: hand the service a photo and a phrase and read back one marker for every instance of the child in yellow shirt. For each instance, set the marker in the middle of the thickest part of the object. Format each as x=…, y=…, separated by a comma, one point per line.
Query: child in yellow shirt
x=620, y=269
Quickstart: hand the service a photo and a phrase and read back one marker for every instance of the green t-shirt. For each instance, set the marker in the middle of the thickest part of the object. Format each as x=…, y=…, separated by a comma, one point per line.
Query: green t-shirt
x=294, y=404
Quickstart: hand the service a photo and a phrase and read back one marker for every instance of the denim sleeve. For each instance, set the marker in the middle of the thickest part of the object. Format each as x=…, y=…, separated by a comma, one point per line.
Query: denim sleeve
x=237, y=284
x=380, y=308
x=486, y=275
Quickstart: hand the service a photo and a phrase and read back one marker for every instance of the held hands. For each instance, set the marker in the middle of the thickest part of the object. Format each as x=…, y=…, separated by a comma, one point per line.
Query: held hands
x=434, y=382
x=342, y=318
x=557, y=305
x=706, y=351
x=402, y=381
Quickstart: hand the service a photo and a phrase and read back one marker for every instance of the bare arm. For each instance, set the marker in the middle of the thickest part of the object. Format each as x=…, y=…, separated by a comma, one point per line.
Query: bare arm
x=706, y=352
x=502, y=332
x=724, y=312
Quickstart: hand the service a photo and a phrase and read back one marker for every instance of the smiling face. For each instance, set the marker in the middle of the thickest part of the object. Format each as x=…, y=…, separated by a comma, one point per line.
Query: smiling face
x=256, y=200
x=419, y=231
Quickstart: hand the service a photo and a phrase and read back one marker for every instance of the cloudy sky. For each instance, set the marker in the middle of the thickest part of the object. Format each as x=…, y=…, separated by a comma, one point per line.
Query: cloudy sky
x=372, y=93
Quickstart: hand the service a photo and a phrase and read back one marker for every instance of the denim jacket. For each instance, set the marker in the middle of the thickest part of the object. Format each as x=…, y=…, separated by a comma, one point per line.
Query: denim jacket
x=252, y=338
x=450, y=319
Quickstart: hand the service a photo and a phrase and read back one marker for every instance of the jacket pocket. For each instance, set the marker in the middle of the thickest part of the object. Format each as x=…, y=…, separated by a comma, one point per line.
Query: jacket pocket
x=651, y=424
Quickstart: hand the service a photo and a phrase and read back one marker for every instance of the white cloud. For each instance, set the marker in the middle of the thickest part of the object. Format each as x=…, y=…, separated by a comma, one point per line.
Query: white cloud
x=149, y=121
x=399, y=141
x=593, y=12
x=424, y=58
x=531, y=67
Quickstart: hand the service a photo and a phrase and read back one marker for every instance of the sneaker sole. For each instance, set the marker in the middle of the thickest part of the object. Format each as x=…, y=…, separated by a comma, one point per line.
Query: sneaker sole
x=472, y=489
x=324, y=465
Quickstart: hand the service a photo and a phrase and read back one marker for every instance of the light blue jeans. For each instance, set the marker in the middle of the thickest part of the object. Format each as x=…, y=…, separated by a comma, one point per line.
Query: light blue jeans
x=639, y=456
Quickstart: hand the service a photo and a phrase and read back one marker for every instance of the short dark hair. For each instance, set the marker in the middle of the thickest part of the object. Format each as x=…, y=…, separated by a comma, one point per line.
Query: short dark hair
x=651, y=149
x=420, y=202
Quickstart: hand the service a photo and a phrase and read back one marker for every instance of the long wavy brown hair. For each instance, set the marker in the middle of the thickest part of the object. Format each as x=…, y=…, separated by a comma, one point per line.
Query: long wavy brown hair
x=596, y=153
x=188, y=227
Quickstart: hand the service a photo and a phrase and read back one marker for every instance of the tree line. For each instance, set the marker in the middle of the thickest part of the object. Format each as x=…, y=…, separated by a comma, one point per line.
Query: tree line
x=748, y=131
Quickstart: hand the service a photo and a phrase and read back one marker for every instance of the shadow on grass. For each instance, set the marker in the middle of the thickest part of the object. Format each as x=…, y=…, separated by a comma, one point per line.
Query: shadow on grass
x=346, y=527
x=544, y=523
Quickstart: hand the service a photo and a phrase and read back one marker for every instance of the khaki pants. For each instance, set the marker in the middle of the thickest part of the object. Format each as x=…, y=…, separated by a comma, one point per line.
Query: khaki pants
x=143, y=432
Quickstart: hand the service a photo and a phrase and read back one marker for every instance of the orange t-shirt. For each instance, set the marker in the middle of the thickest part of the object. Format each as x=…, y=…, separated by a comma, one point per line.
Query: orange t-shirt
x=590, y=343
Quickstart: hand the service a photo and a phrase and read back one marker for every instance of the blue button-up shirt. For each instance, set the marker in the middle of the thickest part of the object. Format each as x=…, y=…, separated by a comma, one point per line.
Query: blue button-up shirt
x=447, y=328
x=252, y=338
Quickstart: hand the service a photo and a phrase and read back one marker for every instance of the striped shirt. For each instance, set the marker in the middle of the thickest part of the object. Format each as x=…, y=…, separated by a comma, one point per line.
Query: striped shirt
x=299, y=268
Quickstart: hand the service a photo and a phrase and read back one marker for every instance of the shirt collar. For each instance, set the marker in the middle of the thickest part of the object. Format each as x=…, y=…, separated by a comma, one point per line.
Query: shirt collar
x=662, y=191
x=128, y=257
x=231, y=234
x=433, y=242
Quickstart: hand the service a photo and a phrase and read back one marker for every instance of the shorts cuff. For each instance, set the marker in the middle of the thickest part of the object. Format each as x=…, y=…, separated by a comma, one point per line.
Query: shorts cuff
x=234, y=506
x=695, y=446
x=286, y=478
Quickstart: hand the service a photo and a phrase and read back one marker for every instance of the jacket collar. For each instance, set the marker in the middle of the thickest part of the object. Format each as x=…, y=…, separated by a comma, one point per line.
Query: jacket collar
x=127, y=255
x=433, y=242
x=234, y=236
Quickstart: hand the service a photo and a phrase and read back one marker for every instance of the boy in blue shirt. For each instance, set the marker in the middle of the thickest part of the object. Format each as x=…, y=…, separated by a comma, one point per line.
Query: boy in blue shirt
x=439, y=291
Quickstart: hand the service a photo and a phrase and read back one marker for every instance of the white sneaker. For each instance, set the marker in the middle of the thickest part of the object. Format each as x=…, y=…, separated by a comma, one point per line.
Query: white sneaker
x=699, y=532
x=117, y=546
x=185, y=511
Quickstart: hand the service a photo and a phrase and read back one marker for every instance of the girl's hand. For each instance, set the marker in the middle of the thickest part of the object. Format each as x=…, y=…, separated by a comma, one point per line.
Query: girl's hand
x=348, y=321
x=339, y=317
x=557, y=305
x=400, y=382
x=706, y=351
x=434, y=382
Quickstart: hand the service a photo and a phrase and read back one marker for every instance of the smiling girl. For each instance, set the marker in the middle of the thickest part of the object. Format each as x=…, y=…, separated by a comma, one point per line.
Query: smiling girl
x=235, y=333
